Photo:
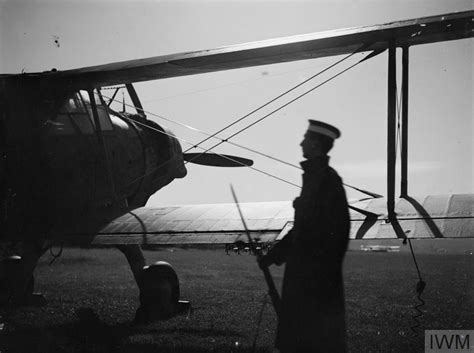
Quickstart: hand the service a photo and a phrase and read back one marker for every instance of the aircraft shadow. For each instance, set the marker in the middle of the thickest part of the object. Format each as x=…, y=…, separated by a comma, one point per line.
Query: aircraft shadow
x=372, y=219
x=426, y=217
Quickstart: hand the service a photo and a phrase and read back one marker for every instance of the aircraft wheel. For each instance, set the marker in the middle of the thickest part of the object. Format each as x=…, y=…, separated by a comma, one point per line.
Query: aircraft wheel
x=159, y=292
x=10, y=277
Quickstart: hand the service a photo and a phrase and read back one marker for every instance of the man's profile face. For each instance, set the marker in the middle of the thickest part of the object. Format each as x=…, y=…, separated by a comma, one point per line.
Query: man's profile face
x=311, y=146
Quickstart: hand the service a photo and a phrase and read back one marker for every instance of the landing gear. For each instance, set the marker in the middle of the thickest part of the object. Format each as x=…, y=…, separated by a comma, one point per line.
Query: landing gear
x=16, y=275
x=16, y=286
x=159, y=294
x=158, y=285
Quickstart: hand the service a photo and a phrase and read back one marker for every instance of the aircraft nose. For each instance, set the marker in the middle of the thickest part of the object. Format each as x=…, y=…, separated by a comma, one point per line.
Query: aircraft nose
x=176, y=154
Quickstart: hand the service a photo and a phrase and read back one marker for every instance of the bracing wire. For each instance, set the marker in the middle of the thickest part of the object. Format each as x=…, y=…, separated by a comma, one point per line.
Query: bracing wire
x=196, y=145
x=253, y=168
x=214, y=135
x=223, y=156
x=250, y=125
x=399, y=104
x=238, y=120
x=420, y=286
x=209, y=136
x=279, y=96
x=223, y=140
x=286, y=104
x=172, y=136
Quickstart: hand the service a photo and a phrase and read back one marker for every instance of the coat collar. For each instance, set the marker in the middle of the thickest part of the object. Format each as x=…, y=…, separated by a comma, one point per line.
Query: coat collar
x=315, y=163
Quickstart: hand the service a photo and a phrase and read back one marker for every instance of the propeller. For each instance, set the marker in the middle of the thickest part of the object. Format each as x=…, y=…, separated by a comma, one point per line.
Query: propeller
x=217, y=160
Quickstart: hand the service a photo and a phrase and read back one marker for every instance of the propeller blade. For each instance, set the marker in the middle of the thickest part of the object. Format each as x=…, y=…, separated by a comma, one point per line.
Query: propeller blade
x=217, y=160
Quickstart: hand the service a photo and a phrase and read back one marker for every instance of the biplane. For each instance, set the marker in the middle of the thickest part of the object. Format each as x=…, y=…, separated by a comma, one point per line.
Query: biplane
x=75, y=170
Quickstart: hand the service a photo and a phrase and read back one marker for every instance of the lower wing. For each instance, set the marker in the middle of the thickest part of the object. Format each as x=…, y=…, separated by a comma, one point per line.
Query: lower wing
x=433, y=216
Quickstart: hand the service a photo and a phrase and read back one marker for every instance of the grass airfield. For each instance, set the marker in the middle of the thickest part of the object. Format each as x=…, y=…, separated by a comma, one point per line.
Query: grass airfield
x=92, y=300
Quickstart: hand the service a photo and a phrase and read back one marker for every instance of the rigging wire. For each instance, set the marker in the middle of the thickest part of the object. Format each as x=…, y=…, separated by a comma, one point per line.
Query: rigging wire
x=223, y=156
x=420, y=286
x=113, y=97
x=399, y=104
x=371, y=54
x=372, y=194
x=280, y=96
x=233, y=160
x=209, y=136
x=242, y=118
x=286, y=104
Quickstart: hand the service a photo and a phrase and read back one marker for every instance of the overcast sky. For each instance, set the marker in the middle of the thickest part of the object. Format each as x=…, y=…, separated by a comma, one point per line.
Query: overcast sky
x=40, y=35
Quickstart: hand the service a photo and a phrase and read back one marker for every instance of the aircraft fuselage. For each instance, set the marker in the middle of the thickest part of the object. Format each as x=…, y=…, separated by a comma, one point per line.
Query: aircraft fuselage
x=66, y=158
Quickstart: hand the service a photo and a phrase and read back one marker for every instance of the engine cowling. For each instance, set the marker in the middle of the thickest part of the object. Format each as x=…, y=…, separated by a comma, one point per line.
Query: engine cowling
x=162, y=159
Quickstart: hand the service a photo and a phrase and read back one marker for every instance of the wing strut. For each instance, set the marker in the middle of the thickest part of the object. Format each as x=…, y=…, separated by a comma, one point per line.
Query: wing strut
x=391, y=128
x=101, y=139
x=404, y=140
x=134, y=97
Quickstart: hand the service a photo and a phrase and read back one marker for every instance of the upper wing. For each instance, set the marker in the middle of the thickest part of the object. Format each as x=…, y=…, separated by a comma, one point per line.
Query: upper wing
x=308, y=46
x=434, y=216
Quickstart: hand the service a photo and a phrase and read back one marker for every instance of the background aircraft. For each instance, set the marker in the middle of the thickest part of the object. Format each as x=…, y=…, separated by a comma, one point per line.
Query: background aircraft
x=77, y=171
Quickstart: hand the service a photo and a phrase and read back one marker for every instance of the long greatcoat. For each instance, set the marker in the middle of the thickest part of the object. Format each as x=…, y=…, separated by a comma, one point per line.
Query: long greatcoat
x=312, y=310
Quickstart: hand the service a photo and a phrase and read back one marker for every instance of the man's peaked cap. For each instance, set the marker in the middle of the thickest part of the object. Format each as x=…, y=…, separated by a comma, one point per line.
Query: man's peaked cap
x=322, y=128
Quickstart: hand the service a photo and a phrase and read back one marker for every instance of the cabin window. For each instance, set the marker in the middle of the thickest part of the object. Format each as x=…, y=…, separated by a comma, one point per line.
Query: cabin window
x=80, y=117
x=72, y=118
x=73, y=105
x=104, y=119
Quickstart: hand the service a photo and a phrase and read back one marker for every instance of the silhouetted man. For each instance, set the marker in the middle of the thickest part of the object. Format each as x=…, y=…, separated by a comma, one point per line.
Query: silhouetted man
x=312, y=308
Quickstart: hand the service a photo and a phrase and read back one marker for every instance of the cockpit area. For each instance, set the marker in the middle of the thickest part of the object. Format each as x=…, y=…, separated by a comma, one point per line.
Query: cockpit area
x=75, y=116
x=99, y=151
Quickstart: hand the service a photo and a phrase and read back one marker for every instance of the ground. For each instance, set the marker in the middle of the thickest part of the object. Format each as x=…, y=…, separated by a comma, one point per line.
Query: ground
x=92, y=301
